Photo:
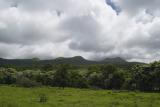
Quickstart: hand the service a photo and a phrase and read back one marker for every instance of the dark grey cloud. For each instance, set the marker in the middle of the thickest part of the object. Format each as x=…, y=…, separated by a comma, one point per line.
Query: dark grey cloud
x=84, y=32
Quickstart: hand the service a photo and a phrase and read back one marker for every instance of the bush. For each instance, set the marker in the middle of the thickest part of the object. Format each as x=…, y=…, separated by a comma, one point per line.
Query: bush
x=25, y=82
x=42, y=98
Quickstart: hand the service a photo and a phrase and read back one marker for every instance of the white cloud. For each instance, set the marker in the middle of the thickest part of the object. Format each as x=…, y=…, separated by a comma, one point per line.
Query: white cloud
x=135, y=6
x=52, y=28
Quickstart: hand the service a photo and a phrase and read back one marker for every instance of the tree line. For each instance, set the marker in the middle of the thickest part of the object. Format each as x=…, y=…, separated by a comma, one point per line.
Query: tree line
x=144, y=77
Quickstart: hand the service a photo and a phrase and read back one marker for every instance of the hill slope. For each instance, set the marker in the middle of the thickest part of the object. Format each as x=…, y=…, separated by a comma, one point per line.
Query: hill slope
x=77, y=60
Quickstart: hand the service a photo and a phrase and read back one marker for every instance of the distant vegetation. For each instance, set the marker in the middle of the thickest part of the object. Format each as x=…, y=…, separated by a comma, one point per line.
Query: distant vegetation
x=113, y=76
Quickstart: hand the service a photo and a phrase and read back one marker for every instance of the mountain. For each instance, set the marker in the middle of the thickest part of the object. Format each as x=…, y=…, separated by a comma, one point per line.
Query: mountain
x=77, y=60
x=115, y=60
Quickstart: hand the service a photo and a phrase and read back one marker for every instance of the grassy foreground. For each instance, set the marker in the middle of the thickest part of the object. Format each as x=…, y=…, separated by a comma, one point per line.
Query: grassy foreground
x=69, y=97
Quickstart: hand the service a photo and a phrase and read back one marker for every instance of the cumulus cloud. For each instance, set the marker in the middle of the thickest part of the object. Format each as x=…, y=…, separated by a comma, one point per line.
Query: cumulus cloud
x=93, y=29
x=133, y=6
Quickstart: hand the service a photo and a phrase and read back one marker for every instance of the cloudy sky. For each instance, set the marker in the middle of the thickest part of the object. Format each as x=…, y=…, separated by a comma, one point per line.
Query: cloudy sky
x=93, y=29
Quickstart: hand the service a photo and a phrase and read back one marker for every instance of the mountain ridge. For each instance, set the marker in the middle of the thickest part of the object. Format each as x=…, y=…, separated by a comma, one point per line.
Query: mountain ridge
x=76, y=60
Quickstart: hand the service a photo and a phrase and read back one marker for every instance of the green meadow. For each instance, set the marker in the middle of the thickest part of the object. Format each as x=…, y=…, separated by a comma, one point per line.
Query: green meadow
x=70, y=97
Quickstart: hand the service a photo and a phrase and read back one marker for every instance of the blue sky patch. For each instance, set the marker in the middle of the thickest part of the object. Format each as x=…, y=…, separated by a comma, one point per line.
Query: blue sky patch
x=114, y=6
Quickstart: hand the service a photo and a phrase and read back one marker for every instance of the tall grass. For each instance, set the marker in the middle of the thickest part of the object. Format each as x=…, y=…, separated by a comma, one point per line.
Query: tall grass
x=69, y=97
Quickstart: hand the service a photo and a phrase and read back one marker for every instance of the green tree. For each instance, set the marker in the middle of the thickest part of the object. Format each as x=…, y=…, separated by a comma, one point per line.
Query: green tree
x=61, y=77
x=77, y=80
x=110, y=77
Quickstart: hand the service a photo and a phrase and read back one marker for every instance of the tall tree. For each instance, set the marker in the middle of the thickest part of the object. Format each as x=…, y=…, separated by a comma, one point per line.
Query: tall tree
x=61, y=77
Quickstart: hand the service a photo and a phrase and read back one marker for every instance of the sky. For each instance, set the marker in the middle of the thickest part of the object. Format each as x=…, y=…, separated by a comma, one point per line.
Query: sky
x=94, y=29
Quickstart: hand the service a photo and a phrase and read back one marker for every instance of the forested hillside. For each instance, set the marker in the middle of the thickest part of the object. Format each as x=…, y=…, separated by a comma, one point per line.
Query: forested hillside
x=143, y=77
x=77, y=60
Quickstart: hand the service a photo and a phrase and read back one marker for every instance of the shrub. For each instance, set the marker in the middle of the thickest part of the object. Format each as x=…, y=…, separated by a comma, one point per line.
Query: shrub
x=25, y=82
x=42, y=98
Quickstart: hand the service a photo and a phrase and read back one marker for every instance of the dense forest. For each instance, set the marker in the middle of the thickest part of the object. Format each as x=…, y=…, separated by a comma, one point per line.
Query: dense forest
x=142, y=77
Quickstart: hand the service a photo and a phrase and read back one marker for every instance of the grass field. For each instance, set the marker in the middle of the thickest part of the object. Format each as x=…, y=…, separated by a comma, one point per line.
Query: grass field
x=69, y=97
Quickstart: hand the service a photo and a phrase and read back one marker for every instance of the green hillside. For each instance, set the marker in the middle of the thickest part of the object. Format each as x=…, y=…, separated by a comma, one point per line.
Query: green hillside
x=77, y=60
